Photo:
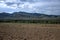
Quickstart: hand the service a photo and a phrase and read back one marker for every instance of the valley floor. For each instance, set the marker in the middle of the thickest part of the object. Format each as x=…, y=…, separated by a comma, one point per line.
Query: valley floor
x=25, y=31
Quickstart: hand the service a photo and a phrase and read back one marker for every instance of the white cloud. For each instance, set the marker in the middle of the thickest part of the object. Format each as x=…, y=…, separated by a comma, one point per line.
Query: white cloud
x=11, y=1
x=2, y=4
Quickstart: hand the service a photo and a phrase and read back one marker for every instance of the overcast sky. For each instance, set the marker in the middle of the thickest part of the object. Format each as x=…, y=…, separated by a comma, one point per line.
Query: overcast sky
x=38, y=6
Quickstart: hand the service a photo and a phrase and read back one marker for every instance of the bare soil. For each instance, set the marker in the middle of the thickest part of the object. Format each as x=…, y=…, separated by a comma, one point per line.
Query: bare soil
x=22, y=31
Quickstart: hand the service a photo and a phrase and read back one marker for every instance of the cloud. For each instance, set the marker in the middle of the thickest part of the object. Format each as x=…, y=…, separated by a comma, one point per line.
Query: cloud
x=10, y=0
x=39, y=6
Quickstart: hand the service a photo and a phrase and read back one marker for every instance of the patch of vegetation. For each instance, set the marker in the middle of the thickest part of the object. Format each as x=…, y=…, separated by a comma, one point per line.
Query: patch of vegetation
x=32, y=21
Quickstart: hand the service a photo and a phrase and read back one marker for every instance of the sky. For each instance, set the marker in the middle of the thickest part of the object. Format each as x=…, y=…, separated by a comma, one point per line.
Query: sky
x=50, y=7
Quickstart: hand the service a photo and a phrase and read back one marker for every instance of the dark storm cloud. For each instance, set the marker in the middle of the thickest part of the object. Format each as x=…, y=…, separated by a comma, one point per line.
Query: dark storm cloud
x=9, y=3
x=28, y=0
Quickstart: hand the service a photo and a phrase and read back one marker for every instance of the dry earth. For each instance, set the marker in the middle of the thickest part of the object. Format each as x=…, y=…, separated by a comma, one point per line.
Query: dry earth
x=21, y=31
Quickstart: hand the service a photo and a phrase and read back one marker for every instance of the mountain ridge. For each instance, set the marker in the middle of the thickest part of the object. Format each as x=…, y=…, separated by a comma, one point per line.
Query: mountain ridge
x=26, y=15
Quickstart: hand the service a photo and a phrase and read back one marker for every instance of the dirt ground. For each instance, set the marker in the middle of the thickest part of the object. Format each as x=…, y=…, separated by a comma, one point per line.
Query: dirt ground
x=22, y=31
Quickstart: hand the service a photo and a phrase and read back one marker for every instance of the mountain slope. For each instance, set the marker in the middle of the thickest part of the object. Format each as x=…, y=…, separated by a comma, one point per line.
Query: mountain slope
x=27, y=16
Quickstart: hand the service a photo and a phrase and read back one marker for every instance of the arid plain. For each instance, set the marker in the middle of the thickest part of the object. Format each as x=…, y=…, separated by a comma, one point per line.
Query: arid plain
x=25, y=31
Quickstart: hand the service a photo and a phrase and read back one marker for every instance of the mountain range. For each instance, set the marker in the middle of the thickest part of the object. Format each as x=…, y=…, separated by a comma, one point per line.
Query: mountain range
x=27, y=16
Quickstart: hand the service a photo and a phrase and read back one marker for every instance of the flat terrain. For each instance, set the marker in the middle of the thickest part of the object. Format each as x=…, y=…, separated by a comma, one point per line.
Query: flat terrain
x=24, y=31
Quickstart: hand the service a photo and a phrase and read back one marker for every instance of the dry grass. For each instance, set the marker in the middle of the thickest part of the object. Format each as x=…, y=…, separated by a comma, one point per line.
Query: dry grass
x=21, y=31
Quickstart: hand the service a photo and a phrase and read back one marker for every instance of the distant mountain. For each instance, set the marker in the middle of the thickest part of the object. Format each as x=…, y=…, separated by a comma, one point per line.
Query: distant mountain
x=27, y=16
